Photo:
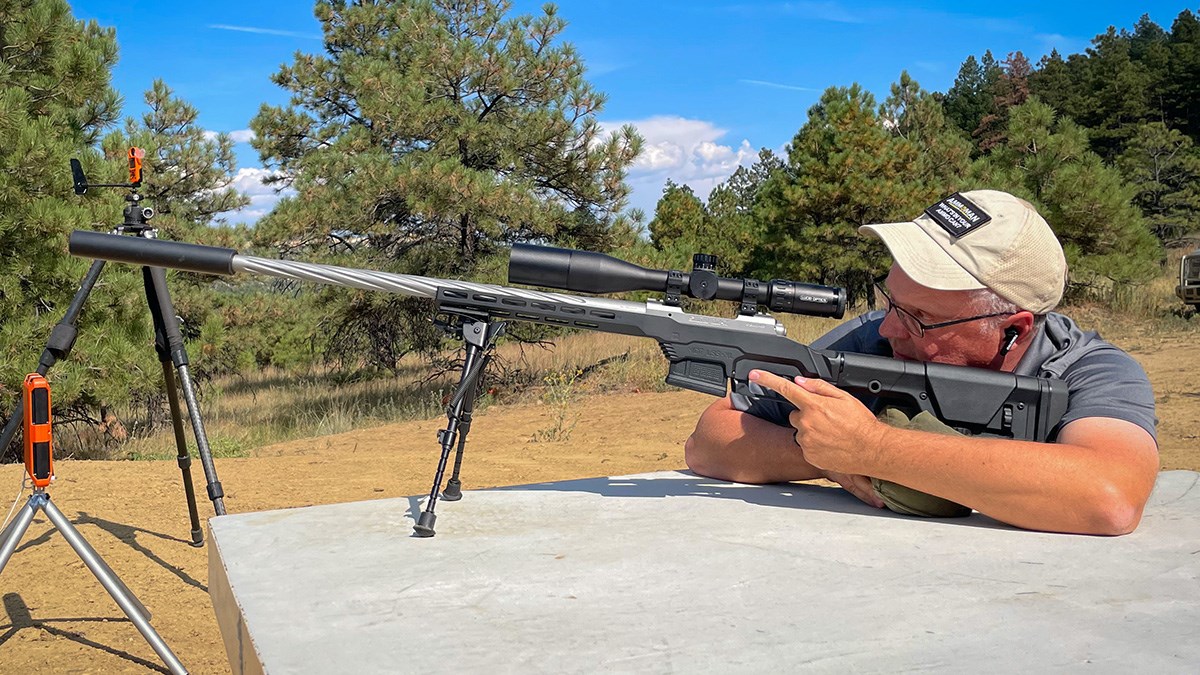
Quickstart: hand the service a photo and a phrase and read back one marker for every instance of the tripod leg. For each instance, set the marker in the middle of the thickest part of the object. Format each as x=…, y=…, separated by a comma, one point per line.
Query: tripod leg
x=62, y=339
x=184, y=459
x=125, y=600
x=163, y=313
x=15, y=530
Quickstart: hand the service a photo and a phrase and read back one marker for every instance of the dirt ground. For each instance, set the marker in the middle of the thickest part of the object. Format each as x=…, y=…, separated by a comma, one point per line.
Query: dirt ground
x=60, y=620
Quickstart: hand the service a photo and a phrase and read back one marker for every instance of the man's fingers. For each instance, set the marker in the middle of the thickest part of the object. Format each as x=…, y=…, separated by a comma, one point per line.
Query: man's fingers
x=820, y=387
x=859, y=486
x=797, y=389
x=785, y=387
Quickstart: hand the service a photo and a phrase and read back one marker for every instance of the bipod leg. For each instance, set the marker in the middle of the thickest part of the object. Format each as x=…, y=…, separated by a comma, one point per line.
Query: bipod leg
x=480, y=337
x=111, y=583
x=163, y=313
x=62, y=339
x=453, y=490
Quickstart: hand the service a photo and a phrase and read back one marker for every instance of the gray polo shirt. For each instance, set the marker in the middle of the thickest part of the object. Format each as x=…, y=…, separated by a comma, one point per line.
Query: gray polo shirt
x=1102, y=380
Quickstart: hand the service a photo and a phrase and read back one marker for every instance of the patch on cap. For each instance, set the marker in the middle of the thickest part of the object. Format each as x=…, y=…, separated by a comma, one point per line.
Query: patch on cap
x=958, y=215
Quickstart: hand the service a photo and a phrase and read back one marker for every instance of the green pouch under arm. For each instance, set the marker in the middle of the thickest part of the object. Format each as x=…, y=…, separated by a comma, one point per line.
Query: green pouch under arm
x=906, y=500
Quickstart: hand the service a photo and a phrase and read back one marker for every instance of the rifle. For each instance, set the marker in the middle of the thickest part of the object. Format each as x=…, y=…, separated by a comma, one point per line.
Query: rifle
x=705, y=353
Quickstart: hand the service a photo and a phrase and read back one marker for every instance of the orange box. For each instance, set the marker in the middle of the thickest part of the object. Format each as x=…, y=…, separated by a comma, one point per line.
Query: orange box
x=39, y=446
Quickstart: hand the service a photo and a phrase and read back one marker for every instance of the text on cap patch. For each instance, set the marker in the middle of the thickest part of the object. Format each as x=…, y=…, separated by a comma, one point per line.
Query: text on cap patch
x=958, y=215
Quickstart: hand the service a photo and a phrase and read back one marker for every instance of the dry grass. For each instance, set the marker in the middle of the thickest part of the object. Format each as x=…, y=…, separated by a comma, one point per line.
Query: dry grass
x=1147, y=311
x=273, y=406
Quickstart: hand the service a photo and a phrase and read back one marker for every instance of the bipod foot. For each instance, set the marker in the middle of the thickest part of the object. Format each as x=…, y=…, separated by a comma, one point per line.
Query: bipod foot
x=453, y=491
x=197, y=539
x=424, y=526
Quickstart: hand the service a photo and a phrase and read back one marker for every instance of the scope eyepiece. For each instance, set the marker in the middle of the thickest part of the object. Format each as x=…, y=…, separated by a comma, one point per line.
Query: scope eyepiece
x=589, y=272
x=811, y=299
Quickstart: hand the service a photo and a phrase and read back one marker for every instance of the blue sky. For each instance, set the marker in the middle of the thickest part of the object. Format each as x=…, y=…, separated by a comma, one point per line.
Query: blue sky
x=706, y=83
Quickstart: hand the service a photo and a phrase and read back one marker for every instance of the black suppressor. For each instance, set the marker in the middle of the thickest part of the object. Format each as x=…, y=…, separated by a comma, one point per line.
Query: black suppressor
x=588, y=272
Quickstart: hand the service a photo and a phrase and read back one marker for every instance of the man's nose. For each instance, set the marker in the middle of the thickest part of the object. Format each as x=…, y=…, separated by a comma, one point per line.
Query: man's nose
x=891, y=327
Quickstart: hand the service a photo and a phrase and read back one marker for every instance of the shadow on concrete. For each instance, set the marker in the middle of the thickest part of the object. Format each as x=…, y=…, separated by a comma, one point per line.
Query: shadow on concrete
x=803, y=496
x=19, y=618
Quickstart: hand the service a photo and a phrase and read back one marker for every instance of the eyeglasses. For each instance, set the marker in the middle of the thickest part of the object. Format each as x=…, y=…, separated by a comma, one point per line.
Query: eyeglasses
x=911, y=323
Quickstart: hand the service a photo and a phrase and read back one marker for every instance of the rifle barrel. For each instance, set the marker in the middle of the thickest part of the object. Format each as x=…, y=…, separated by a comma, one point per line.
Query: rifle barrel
x=227, y=261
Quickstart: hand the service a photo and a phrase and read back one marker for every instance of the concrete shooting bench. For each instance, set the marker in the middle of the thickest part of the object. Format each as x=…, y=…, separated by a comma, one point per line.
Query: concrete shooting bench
x=672, y=573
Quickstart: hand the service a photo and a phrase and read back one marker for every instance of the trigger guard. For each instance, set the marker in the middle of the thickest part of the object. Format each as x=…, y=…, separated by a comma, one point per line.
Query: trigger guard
x=744, y=394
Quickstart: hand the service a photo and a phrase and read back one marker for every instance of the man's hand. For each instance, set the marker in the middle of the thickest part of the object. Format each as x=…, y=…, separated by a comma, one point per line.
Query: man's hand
x=859, y=486
x=835, y=430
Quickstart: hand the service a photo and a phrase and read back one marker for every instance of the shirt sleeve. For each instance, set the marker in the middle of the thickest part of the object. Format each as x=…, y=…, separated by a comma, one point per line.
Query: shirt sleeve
x=1109, y=383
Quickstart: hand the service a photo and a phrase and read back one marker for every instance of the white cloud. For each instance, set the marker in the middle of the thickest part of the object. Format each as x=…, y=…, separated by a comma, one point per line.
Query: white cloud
x=777, y=85
x=1064, y=44
x=687, y=151
x=249, y=181
x=824, y=11
x=264, y=31
x=816, y=11
x=237, y=136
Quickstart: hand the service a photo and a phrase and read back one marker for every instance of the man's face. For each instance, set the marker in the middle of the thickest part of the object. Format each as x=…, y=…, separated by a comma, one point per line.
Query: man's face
x=973, y=343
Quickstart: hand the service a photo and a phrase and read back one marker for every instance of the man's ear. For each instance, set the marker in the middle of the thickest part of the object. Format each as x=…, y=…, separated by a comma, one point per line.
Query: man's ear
x=1010, y=339
x=1020, y=324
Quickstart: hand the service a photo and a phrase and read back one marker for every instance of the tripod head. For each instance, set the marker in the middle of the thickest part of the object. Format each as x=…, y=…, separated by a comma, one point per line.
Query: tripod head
x=136, y=216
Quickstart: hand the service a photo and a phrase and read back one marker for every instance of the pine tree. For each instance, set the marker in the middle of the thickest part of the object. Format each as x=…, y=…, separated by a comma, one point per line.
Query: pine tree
x=915, y=115
x=433, y=133
x=1148, y=45
x=188, y=172
x=1118, y=93
x=1163, y=166
x=55, y=102
x=679, y=214
x=1046, y=159
x=1010, y=89
x=442, y=125
x=731, y=210
x=1057, y=83
x=1183, y=89
x=844, y=170
x=968, y=100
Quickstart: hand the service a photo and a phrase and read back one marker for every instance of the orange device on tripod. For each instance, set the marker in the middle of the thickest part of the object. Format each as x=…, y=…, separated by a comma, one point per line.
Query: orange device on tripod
x=39, y=451
x=136, y=155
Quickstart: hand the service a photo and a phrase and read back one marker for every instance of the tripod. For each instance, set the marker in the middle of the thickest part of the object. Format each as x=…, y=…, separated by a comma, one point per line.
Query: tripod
x=39, y=464
x=168, y=343
x=479, y=335
x=137, y=613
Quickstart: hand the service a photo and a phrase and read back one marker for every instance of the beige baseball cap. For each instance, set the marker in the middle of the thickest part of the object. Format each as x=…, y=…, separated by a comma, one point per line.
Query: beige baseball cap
x=981, y=239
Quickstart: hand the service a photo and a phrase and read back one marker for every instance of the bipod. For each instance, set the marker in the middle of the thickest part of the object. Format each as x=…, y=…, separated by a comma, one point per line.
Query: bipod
x=479, y=336
x=39, y=464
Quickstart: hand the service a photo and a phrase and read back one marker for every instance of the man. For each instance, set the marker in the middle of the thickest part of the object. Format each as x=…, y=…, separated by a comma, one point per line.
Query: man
x=973, y=283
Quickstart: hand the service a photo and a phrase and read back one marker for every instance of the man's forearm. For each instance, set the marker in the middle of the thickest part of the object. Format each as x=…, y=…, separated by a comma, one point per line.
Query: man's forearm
x=731, y=445
x=1056, y=487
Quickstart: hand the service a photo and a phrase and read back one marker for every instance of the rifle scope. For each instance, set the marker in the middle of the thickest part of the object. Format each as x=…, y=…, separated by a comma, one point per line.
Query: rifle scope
x=588, y=272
